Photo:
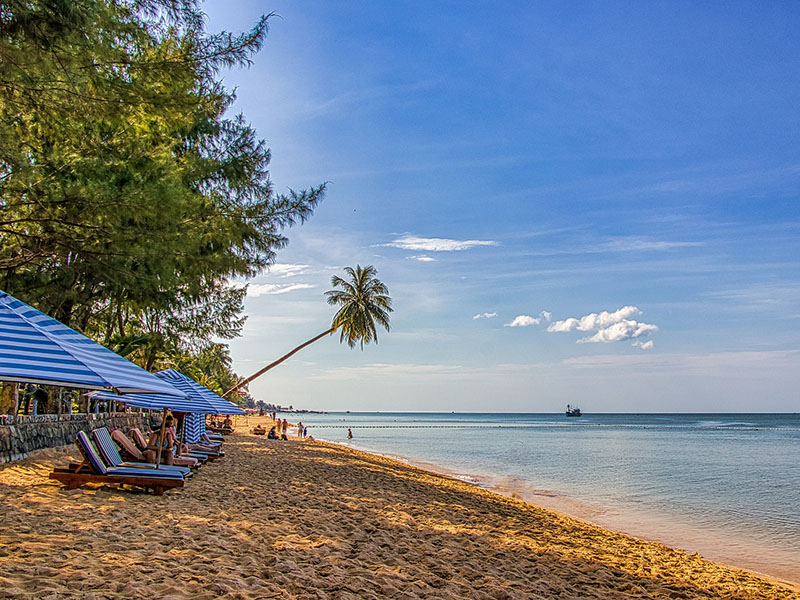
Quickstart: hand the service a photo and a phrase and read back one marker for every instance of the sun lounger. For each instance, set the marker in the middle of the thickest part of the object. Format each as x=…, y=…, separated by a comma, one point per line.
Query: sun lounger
x=108, y=450
x=92, y=470
x=139, y=438
x=211, y=452
x=129, y=450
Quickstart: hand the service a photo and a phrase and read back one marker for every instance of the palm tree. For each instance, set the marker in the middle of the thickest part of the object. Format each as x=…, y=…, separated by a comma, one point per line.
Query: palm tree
x=363, y=299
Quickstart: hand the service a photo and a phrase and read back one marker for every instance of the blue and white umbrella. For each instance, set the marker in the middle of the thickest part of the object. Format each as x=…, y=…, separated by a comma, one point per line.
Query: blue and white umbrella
x=35, y=348
x=159, y=402
x=194, y=390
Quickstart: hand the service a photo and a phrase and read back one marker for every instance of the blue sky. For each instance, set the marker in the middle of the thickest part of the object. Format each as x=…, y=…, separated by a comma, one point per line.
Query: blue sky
x=594, y=204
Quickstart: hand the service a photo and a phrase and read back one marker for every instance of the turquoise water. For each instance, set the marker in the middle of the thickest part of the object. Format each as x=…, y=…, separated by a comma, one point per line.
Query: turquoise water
x=727, y=486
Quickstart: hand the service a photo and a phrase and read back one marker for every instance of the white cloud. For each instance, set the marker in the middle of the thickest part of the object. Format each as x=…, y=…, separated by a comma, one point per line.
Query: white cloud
x=619, y=244
x=523, y=321
x=260, y=289
x=608, y=326
x=594, y=321
x=410, y=242
x=565, y=325
x=632, y=244
x=624, y=330
x=546, y=315
x=485, y=315
x=422, y=258
x=644, y=345
x=287, y=270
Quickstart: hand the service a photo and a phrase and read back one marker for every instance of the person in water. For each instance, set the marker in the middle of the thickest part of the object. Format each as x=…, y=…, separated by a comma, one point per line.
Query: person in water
x=349, y=434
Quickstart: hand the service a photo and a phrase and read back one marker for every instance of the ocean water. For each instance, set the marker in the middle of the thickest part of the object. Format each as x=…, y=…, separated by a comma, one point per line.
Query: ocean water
x=726, y=486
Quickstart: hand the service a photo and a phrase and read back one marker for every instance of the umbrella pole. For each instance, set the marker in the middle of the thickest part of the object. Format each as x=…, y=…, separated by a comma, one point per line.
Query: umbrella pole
x=161, y=437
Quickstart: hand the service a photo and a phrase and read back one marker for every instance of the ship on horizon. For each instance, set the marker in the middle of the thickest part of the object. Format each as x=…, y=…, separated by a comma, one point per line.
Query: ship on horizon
x=573, y=411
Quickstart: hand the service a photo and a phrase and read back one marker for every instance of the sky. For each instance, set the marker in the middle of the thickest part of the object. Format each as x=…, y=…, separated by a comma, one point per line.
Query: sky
x=584, y=203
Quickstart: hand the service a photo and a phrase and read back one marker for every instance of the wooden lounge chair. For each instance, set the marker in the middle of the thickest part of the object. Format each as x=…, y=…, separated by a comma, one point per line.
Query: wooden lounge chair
x=209, y=449
x=92, y=470
x=108, y=450
x=220, y=430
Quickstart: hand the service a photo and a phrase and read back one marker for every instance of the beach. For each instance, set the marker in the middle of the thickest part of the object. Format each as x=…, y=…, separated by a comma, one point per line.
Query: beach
x=309, y=519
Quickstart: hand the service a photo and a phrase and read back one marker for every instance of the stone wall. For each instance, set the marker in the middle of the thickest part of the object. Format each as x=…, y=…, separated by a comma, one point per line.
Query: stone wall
x=21, y=435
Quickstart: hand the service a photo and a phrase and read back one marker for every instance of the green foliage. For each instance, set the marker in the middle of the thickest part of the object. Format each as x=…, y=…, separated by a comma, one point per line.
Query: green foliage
x=129, y=200
x=364, y=300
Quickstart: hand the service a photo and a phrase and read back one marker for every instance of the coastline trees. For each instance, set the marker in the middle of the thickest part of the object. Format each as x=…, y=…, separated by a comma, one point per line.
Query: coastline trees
x=128, y=198
x=363, y=300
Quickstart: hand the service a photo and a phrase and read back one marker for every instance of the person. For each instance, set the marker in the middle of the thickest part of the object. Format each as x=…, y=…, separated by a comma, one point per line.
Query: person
x=168, y=443
x=300, y=429
x=349, y=434
x=284, y=426
x=181, y=456
x=305, y=432
x=228, y=422
x=272, y=435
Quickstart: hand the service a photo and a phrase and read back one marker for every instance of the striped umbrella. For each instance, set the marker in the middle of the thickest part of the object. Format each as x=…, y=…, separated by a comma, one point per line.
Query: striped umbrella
x=35, y=348
x=195, y=391
x=194, y=405
x=159, y=402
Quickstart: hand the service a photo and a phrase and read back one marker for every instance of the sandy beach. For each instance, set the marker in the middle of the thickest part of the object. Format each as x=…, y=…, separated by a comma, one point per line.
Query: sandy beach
x=304, y=519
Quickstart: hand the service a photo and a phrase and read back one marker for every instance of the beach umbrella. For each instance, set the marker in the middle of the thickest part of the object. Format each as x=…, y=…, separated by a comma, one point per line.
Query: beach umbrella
x=195, y=404
x=194, y=390
x=159, y=402
x=35, y=348
x=199, y=399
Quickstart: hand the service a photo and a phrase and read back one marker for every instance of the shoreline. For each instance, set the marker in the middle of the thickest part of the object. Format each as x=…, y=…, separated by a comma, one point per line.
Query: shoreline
x=641, y=526
x=309, y=520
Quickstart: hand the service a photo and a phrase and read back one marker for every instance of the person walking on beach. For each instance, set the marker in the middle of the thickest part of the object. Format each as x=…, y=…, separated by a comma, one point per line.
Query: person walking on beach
x=349, y=434
x=299, y=429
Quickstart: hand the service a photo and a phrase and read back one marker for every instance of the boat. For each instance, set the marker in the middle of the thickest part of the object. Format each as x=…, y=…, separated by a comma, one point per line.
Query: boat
x=573, y=411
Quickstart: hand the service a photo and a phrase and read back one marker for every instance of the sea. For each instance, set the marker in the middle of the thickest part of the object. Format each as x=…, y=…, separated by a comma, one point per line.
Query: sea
x=726, y=486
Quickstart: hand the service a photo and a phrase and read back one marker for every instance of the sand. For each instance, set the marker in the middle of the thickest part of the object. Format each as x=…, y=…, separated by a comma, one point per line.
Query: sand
x=304, y=519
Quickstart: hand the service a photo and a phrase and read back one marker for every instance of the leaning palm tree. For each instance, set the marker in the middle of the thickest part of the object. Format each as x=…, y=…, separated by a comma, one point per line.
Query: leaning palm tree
x=363, y=299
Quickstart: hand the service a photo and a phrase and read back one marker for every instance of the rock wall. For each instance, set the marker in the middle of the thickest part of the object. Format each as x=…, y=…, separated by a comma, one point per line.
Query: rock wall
x=21, y=435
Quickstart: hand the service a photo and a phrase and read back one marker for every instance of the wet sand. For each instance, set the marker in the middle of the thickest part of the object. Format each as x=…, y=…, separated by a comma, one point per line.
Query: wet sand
x=314, y=520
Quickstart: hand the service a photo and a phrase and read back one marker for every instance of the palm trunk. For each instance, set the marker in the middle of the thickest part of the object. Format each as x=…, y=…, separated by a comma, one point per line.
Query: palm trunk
x=277, y=362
